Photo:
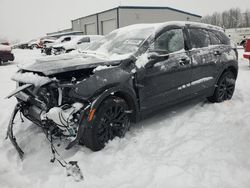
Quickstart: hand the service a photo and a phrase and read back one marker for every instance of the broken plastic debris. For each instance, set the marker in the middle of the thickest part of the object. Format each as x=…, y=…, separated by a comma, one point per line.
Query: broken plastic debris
x=72, y=169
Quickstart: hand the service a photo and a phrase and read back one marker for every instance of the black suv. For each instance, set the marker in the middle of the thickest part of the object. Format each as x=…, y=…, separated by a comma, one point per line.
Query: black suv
x=93, y=96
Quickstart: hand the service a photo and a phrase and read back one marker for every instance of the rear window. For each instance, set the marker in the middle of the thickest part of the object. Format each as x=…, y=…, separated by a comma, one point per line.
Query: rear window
x=199, y=38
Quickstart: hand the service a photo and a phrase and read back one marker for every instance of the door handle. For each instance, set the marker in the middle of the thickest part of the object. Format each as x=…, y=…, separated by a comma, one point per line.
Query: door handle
x=184, y=61
x=217, y=52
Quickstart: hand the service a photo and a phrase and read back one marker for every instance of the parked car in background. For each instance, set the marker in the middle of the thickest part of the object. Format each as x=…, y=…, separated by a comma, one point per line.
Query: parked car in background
x=77, y=42
x=69, y=33
x=5, y=43
x=47, y=48
x=33, y=44
x=40, y=42
x=21, y=45
x=5, y=53
x=247, y=50
x=46, y=40
x=133, y=72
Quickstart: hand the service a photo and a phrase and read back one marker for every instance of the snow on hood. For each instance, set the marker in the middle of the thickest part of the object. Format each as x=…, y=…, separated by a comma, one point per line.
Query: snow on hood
x=30, y=78
x=68, y=62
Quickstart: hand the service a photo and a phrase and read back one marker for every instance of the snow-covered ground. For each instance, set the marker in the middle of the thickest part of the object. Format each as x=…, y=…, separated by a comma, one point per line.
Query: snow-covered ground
x=194, y=145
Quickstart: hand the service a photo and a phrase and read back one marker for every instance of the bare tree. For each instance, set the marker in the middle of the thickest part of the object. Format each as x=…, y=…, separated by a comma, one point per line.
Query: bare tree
x=228, y=19
x=246, y=18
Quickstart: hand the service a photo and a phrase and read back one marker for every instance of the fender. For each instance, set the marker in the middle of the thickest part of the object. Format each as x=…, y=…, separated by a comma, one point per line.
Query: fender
x=124, y=92
x=230, y=65
x=106, y=82
x=100, y=81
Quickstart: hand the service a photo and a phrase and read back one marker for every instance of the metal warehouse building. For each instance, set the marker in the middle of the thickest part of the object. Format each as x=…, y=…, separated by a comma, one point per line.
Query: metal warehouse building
x=106, y=21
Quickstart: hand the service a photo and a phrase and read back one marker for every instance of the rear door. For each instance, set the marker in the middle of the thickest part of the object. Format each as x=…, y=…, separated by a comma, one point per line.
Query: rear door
x=204, y=64
x=161, y=83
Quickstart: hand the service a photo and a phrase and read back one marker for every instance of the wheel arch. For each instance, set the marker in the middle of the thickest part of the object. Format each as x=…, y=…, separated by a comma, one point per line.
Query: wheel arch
x=125, y=93
x=232, y=69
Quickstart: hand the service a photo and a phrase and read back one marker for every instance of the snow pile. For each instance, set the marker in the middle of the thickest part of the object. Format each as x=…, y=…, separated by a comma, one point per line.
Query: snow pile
x=30, y=78
x=194, y=145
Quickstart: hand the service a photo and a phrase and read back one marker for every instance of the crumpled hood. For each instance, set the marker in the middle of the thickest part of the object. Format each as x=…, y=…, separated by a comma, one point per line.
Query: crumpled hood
x=68, y=62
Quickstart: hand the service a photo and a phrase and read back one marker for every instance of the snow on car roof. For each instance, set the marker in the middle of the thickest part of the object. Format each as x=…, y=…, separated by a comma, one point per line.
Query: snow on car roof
x=177, y=23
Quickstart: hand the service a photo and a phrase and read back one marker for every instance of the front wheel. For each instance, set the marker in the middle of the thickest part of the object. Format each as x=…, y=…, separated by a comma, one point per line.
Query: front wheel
x=110, y=120
x=225, y=88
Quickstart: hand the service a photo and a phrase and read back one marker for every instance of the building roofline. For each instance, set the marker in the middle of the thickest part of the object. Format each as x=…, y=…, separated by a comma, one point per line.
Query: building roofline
x=95, y=14
x=140, y=7
x=158, y=7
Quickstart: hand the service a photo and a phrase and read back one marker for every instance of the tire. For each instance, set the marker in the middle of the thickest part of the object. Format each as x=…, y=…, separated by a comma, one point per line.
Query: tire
x=225, y=88
x=110, y=121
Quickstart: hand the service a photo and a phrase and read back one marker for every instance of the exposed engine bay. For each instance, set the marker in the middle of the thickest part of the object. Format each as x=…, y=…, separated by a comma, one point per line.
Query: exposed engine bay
x=48, y=103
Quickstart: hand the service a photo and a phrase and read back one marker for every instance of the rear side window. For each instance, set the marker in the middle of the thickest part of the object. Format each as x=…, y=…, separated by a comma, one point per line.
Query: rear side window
x=199, y=38
x=223, y=38
x=214, y=39
x=170, y=41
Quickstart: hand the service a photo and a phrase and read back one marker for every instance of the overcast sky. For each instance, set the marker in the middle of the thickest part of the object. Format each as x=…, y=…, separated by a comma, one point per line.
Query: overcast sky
x=27, y=19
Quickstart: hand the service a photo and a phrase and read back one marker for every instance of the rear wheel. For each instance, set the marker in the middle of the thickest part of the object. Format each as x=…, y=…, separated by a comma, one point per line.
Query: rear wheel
x=225, y=88
x=111, y=120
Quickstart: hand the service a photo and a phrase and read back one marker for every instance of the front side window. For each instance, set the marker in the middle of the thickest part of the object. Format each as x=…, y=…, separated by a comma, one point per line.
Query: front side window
x=199, y=38
x=170, y=41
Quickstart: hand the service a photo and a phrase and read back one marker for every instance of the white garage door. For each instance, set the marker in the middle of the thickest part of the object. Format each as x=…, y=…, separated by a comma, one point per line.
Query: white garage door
x=108, y=26
x=90, y=29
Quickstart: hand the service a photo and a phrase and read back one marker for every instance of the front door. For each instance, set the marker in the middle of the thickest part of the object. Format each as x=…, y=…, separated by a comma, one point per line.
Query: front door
x=163, y=82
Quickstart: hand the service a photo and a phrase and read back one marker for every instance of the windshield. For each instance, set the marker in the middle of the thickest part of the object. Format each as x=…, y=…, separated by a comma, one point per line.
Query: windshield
x=122, y=42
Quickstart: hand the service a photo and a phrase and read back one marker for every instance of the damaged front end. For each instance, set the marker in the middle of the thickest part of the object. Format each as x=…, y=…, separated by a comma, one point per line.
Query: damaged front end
x=47, y=102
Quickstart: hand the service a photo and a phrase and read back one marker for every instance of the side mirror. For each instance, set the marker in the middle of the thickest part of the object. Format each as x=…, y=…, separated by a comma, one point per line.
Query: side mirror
x=154, y=58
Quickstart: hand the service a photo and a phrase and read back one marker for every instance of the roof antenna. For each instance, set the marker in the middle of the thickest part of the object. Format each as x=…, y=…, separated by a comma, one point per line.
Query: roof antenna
x=120, y=3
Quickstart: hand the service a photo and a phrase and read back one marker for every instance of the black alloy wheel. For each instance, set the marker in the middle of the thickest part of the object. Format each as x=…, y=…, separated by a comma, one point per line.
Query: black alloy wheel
x=225, y=88
x=111, y=120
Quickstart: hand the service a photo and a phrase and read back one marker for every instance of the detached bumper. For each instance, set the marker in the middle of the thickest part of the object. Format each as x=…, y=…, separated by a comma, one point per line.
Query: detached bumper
x=10, y=134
